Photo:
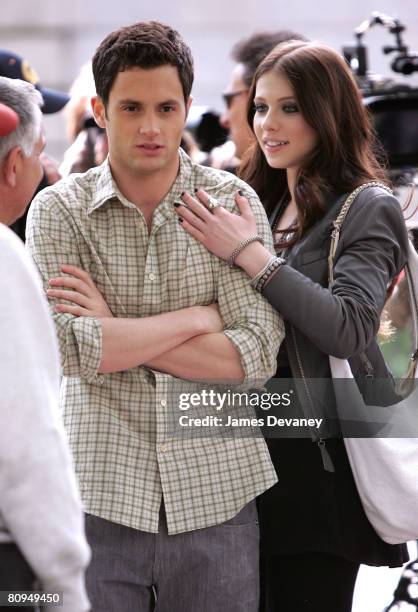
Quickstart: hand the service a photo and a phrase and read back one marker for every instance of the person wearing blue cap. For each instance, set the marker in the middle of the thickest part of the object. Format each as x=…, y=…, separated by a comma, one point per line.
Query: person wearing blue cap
x=14, y=66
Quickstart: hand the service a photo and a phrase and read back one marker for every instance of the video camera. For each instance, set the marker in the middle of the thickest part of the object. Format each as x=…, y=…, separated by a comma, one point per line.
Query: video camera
x=393, y=106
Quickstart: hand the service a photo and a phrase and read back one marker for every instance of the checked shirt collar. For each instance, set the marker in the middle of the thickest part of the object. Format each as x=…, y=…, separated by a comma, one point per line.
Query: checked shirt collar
x=107, y=189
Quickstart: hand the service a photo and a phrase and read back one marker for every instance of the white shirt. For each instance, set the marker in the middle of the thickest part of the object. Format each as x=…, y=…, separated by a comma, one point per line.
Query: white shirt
x=40, y=508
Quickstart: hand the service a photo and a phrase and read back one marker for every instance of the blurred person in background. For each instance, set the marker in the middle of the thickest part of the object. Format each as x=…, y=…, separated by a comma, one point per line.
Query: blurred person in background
x=42, y=542
x=13, y=66
x=247, y=55
x=89, y=146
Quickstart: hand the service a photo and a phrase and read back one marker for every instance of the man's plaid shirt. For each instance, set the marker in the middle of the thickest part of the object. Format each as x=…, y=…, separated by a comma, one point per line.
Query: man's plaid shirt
x=116, y=422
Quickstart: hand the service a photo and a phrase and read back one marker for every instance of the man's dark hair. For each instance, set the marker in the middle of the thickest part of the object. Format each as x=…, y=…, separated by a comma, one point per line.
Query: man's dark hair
x=147, y=44
x=251, y=51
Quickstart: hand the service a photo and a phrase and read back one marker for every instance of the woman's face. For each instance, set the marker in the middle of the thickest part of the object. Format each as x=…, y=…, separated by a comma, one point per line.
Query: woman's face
x=284, y=136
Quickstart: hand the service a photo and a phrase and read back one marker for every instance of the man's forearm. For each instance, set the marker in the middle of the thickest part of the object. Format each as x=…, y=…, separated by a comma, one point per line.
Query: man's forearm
x=127, y=343
x=209, y=357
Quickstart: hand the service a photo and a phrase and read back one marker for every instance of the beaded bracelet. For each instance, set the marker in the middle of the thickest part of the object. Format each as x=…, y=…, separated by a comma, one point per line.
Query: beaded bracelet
x=256, y=278
x=240, y=247
x=266, y=274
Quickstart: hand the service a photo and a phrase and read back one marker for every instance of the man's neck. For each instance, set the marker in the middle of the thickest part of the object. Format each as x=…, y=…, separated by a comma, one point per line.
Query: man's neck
x=7, y=214
x=146, y=191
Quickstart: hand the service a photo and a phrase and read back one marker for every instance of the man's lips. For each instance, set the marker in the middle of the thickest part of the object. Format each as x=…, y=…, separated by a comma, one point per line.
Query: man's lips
x=150, y=146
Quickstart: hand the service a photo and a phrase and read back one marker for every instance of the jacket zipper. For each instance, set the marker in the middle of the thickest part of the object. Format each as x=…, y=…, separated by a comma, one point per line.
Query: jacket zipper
x=326, y=458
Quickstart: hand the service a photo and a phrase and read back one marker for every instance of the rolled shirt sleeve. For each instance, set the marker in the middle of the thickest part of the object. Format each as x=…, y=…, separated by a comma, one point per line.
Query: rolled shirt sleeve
x=81, y=345
x=253, y=326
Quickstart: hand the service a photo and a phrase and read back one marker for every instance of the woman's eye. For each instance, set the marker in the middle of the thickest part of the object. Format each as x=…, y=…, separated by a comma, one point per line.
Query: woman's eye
x=290, y=108
x=260, y=108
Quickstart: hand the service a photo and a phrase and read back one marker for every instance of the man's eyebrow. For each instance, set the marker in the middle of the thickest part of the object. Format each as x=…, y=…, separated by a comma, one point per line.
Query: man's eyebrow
x=137, y=102
x=168, y=102
x=129, y=101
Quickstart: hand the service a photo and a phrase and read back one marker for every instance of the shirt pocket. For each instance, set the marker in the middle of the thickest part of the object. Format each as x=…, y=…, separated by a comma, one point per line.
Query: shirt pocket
x=189, y=275
x=199, y=283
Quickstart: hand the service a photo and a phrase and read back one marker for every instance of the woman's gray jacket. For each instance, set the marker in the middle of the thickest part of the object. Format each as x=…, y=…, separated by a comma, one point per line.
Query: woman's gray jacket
x=344, y=320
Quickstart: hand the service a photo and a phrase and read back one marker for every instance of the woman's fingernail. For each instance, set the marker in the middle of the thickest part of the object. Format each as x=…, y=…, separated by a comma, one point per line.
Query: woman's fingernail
x=240, y=192
x=180, y=220
x=182, y=194
x=196, y=190
x=177, y=204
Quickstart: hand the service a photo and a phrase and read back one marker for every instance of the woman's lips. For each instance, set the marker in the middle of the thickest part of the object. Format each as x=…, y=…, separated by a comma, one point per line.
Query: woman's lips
x=275, y=145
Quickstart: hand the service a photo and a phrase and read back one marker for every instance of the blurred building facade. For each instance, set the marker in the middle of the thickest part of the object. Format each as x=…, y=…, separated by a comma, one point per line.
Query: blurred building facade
x=58, y=36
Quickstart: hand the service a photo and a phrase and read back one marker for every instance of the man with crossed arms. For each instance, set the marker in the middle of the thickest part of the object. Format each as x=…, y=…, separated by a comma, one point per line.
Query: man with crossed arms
x=165, y=514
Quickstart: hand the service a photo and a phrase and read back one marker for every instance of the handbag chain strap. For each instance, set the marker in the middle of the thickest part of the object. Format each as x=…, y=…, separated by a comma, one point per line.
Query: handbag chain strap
x=335, y=234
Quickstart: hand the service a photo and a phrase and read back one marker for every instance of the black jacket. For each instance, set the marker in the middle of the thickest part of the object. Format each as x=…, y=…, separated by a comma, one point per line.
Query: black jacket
x=311, y=509
x=344, y=322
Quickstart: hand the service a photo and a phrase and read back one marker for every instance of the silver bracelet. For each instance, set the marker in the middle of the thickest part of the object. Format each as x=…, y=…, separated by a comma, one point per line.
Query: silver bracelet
x=240, y=247
x=268, y=273
x=257, y=277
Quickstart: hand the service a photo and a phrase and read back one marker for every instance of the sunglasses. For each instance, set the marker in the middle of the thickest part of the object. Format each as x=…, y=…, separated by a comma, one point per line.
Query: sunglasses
x=228, y=97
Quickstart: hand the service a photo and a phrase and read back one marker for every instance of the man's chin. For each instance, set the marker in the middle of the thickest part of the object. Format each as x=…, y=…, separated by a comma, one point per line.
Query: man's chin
x=149, y=167
x=153, y=165
x=138, y=166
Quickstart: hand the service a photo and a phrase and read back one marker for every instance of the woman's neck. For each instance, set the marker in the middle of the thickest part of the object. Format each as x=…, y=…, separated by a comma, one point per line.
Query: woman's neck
x=291, y=175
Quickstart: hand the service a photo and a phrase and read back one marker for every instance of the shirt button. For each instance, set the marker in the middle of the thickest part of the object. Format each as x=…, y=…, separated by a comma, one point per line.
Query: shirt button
x=151, y=276
x=163, y=448
x=163, y=402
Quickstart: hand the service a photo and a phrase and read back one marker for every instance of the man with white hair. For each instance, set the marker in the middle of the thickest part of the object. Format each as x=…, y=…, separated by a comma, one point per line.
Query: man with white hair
x=42, y=543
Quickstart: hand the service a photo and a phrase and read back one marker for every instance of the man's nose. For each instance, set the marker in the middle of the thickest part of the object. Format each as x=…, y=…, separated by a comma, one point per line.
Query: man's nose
x=150, y=126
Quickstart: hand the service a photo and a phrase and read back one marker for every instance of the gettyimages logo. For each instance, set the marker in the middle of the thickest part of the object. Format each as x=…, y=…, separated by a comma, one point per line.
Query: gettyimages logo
x=226, y=399
x=256, y=411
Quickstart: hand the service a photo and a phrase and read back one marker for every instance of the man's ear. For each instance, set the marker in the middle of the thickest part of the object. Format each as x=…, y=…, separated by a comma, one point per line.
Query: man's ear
x=188, y=105
x=99, y=111
x=11, y=167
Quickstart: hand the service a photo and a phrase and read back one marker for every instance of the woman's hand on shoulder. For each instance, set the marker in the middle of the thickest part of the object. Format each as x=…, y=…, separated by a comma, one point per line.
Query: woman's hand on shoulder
x=219, y=230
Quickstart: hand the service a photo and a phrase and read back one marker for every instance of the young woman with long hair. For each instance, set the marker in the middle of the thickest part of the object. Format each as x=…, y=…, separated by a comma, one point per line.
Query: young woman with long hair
x=313, y=146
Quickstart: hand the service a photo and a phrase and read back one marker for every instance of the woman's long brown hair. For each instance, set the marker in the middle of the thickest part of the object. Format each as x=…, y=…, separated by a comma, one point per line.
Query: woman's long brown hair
x=330, y=101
